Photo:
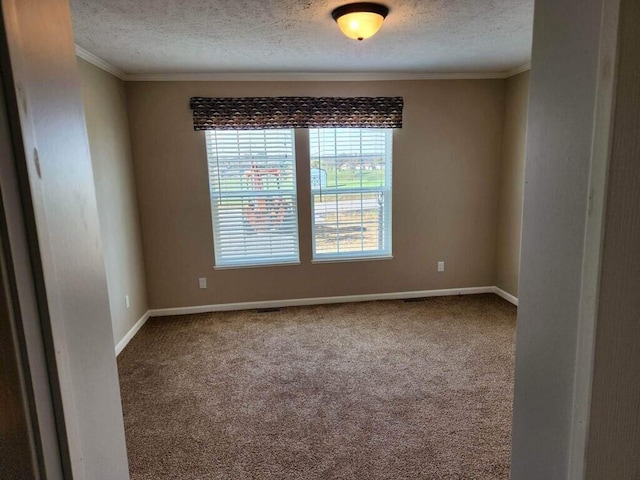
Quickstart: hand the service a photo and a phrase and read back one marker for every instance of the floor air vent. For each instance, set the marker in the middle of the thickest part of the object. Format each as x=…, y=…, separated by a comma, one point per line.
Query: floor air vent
x=415, y=300
x=267, y=310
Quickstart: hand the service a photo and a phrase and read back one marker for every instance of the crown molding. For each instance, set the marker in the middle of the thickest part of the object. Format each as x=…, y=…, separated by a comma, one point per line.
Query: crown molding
x=517, y=70
x=98, y=62
x=292, y=76
x=308, y=76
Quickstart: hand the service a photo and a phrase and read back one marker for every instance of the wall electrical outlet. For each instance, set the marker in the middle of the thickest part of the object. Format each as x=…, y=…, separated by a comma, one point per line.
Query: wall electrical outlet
x=127, y=303
x=440, y=266
x=202, y=282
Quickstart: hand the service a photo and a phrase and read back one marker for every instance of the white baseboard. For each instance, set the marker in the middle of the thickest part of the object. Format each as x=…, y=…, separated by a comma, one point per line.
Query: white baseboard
x=225, y=307
x=131, y=333
x=507, y=296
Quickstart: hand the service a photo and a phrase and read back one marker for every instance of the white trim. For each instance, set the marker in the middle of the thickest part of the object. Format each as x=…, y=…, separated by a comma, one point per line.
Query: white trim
x=225, y=307
x=131, y=333
x=320, y=261
x=507, y=296
x=517, y=70
x=98, y=62
x=590, y=288
x=291, y=76
x=308, y=76
x=297, y=302
x=257, y=265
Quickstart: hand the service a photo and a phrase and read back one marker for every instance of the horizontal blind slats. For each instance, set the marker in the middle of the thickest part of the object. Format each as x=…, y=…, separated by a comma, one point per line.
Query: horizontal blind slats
x=351, y=192
x=253, y=196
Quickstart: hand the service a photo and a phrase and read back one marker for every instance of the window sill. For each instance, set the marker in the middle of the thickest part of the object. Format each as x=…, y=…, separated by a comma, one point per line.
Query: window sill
x=235, y=267
x=352, y=259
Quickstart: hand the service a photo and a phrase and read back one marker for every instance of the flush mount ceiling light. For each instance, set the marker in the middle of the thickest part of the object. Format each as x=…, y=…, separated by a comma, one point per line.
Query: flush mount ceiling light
x=360, y=20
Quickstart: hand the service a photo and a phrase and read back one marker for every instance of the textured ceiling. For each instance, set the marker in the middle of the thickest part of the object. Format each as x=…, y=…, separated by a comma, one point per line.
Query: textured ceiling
x=241, y=36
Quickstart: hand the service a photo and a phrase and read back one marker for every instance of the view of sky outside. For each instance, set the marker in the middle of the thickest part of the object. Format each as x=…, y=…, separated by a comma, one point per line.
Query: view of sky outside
x=350, y=157
x=329, y=142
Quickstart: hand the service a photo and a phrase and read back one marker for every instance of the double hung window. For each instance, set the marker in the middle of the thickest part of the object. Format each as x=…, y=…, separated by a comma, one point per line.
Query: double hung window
x=252, y=176
x=252, y=181
x=351, y=193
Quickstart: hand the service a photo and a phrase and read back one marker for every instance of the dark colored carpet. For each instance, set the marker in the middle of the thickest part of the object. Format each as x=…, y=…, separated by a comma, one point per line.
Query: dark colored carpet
x=378, y=390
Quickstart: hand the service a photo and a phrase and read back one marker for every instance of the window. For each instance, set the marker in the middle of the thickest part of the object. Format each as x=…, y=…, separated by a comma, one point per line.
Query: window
x=351, y=192
x=252, y=181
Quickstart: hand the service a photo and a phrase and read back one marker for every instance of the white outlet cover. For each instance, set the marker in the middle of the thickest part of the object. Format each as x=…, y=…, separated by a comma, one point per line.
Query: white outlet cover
x=127, y=302
x=440, y=266
x=202, y=282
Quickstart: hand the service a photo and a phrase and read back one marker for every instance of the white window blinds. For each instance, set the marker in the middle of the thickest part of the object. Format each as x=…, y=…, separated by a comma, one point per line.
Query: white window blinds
x=351, y=192
x=253, y=197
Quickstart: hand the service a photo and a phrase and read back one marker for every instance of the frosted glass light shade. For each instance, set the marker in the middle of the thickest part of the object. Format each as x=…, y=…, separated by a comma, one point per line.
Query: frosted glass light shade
x=360, y=25
x=360, y=20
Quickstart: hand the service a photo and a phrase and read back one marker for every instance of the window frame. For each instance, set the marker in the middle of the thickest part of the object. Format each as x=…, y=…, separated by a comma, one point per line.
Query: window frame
x=386, y=190
x=220, y=263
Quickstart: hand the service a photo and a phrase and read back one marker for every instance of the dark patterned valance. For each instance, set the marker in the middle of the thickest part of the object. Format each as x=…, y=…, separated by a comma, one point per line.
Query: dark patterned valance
x=257, y=113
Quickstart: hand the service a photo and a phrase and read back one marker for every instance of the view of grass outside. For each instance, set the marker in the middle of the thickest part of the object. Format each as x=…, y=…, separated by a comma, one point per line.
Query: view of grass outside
x=352, y=178
x=351, y=191
x=253, y=192
x=253, y=196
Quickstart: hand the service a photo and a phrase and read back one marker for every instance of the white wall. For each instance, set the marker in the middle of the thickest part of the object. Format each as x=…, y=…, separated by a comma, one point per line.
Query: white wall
x=563, y=171
x=68, y=264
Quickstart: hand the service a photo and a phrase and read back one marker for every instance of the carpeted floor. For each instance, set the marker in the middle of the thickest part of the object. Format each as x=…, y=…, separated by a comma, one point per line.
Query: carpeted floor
x=379, y=390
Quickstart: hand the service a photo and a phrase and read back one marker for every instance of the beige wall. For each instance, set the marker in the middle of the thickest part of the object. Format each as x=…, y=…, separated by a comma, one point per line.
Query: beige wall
x=512, y=183
x=109, y=140
x=445, y=194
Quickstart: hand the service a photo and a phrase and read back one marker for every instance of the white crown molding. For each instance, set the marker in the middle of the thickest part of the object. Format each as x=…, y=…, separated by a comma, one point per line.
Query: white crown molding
x=517, y=70
x=308, y=76
x=98, y=62
x=292, y=76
